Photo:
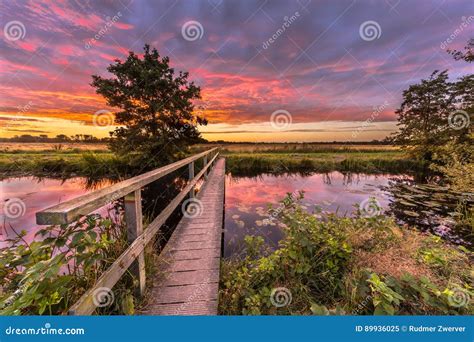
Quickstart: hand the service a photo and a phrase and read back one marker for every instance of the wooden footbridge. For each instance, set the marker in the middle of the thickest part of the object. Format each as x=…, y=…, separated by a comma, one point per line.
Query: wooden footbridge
x=188, y=267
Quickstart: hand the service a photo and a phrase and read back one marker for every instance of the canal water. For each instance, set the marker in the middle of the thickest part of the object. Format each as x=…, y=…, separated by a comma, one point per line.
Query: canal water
x=248, y=199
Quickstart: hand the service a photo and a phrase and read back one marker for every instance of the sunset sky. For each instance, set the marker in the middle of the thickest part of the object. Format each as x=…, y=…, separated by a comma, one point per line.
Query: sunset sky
x=324, y=75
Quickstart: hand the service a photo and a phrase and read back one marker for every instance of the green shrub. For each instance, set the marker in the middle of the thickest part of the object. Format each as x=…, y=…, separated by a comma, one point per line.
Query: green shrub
x=319, y=269
x=49, y=274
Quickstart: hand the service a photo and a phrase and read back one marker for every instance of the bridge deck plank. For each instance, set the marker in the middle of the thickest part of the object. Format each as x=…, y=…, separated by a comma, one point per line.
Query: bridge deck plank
x=188, y=278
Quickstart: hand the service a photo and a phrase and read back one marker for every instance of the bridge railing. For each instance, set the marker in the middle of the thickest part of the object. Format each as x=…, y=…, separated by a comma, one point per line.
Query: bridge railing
x=133, y=258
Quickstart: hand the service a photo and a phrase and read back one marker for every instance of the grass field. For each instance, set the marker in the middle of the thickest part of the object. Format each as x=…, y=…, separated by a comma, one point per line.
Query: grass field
x=96, y=161
x=50, y=147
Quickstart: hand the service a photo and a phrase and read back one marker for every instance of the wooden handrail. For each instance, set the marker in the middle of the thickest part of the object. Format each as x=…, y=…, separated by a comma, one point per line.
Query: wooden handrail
x=73, y=209
x=133, y=258
x=85, y=305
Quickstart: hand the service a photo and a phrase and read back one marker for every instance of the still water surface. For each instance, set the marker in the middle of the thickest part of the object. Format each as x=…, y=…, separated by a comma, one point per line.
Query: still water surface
x=247, y=200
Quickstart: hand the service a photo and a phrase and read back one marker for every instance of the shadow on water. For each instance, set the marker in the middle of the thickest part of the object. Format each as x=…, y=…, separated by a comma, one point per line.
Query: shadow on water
x=432, y=208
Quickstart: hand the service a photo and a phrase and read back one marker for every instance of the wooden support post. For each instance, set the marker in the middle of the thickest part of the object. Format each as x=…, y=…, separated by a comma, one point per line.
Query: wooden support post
x=134, y=222
x=191, y=176
x=204, y=163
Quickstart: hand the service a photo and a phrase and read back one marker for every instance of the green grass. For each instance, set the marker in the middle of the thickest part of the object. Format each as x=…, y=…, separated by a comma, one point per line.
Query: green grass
x=368, y=162
x=62, y=164
x=105, y=164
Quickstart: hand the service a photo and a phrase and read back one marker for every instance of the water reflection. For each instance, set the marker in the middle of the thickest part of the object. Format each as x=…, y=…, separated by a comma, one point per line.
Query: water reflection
x=40, y=193
x=432, y=208
x=247, y=200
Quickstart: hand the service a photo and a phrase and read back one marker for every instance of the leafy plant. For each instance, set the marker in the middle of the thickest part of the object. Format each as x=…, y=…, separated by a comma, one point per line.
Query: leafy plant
x=49, y=274
x=317, y=268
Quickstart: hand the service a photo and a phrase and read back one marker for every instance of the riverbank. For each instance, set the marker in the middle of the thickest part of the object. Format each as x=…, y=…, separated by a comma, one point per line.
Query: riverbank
x=240, y=160
x=62, y=164
x=360, y=265
x=366, y=162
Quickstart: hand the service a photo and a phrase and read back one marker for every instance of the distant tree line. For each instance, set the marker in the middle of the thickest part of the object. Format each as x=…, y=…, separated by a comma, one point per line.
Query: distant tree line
x=335, y=142
x=60, y=138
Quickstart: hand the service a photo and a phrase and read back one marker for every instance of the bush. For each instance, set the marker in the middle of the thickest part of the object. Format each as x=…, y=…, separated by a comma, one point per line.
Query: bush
x=321, y=267
x=50, y=274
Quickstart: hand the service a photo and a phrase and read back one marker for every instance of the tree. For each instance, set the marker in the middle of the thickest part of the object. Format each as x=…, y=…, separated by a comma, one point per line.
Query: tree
x=455, y=159
x=467, y=55
x=423, y=114
x=156, y=107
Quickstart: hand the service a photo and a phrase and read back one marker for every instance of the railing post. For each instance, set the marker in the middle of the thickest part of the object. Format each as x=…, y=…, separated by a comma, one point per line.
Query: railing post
x=204, y=163
x=191, y=176
x=134, y=222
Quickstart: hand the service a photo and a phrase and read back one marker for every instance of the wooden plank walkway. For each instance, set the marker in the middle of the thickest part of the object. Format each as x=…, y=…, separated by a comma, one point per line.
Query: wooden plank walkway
x=188, y=272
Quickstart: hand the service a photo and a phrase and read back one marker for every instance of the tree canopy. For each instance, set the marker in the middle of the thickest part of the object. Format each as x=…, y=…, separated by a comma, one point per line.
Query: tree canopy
x=435, y=112
x=155, y=107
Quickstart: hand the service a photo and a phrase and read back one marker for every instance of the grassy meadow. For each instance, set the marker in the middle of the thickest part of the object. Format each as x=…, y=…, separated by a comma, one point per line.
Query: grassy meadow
x=94, y=160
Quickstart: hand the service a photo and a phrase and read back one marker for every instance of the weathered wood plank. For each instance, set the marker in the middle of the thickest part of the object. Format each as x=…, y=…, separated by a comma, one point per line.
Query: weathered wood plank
x=190, y=261
x=73, y=209
x=209, y=262
x=195, y=254
x=188, y=309
x=186, y=293
x=134, y=223
x=191, y=277
x=85, y=305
